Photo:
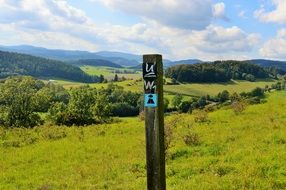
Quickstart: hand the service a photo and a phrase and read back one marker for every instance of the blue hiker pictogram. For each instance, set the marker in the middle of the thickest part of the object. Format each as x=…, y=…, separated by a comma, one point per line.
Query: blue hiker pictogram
x=150, y=100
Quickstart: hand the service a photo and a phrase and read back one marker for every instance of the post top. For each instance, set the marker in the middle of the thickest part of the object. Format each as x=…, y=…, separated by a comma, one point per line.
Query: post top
x=152, y=55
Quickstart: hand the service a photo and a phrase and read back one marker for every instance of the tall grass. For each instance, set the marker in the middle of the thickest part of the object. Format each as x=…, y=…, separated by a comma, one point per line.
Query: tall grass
x=228, y=151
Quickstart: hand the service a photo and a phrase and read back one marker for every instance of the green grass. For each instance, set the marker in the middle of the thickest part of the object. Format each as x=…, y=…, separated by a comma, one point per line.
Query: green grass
x=191, y=89
x=109, y=72
x=245, y=151
x=199, y=89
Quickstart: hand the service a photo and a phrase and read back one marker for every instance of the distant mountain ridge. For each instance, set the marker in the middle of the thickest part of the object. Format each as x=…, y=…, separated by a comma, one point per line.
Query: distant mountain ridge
x=123, y=59
x=119, y=58
x=270, y=63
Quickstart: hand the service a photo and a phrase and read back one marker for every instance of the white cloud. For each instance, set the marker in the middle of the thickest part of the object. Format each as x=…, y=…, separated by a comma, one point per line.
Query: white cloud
x=188, y=14
x=56, y=24
x=275, y=47
x=11, y=35
x=278, y=15
x=219, y=11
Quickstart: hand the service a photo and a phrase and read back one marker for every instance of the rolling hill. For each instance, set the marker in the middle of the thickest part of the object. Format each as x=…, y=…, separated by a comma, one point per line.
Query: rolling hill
x=123, y=59
x=22, y=64
x=270, y=63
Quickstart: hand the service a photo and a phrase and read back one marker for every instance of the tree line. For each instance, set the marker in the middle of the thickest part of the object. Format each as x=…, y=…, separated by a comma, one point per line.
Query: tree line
x=25, y=100
x=219, y=71
x=224, y=98
x=13, y=64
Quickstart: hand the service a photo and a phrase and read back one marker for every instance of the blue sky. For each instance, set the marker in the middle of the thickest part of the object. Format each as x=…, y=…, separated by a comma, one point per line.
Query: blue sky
x=178, y=29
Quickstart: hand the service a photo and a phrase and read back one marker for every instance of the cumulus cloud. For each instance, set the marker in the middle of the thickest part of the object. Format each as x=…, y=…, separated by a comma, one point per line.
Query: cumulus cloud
x=56, y=24
x=220, y=40
x=219, y=11
x=187, y=14
x=275, y=47
x=277, y=15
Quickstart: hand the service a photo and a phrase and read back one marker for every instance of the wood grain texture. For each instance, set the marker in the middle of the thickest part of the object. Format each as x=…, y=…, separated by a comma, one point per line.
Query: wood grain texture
x=154, y=124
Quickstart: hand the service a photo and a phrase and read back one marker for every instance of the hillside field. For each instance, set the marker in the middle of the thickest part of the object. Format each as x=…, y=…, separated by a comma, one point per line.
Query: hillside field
x=109, y=72
x=229, y=151
x=189, y=89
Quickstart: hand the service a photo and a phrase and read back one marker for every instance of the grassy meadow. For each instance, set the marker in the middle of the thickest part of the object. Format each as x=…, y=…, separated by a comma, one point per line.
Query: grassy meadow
x=109, y=72
x=188, y=89
x=228, y=151
x=135, y=84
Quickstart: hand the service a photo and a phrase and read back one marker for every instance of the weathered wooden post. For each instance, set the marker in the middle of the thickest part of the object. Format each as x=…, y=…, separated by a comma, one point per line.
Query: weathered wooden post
x=154, y=121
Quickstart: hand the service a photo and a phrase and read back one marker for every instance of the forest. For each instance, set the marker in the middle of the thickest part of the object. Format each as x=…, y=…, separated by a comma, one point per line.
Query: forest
x=13, y=64
x=219, y=71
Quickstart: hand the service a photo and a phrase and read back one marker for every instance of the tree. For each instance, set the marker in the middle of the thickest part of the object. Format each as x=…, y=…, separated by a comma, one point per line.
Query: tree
x=86, y=106
x=257, y=92
x=101, y=78
x=101, y=108
x=116, y=78
x=202, y=101
x=177, y=100
x=19, y=102
x=186, y=106
x=223, y=96
x=250, y=77
x=166, y=104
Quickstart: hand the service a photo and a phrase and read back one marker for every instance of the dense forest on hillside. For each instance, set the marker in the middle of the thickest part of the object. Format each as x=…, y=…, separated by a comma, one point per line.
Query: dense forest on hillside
x=218, y=71
x=97, y=62
x=21, y=64
x=279, y=65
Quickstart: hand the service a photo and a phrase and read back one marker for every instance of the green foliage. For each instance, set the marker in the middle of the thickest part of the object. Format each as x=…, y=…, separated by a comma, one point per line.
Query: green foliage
x=166, y=104
x=257, y=92
x=177, y=100
x=86, y=106
x=223, y=96
x=219, y=71
x=116, y=78
x=185, y=106
x=20, y=99
x=20, y=64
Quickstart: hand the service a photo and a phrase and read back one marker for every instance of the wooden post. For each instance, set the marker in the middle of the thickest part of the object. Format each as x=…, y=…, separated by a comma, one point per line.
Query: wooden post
x=154, y=121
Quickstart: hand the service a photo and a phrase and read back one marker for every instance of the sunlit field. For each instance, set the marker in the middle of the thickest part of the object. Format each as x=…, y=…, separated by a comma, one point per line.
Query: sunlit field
x=227, y=151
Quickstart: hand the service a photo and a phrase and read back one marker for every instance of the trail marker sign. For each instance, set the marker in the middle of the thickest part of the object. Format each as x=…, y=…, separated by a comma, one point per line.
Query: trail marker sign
x=154, y=121
x=151, y=100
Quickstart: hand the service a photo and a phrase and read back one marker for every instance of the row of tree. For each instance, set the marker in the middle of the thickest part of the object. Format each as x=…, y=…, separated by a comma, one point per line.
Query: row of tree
x=218, y=71
x=23, y=100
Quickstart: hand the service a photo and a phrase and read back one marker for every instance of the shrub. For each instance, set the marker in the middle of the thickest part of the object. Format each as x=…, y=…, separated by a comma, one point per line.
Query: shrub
x=185, y=106
x=238, y=106
x=168, y=138
x=259, y=92
x=124, y=109
x=142, y=116
x=200, y=116
x=191, y=139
